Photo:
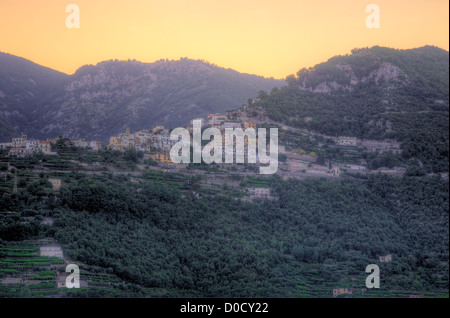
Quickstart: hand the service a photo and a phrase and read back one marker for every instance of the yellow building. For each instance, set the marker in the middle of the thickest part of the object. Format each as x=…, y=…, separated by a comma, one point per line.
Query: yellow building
x=115, y=143
x=159, y=157
x=249, y=125
x=44, y=146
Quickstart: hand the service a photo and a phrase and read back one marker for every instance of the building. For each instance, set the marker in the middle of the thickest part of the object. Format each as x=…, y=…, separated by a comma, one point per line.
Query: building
x=260, y=193
x=304, y=166
x=45, y=146
x=386, y=259
x=346, y=141
x=18, y=152
x=95, y=145
x=157, y=129
x=6, y=145
x=247, y=124
x=52, y=251
x=355, y=167
x=342, y=291
x=216, y=119
x=22, y=146
x=122, y=142
x=115, y=143
x=56, y=183
x=80, y=143
x=164, y=142
x=141, y=140
x=231, y=124
x=160, y=157
x=32, y=145
x=19, y=142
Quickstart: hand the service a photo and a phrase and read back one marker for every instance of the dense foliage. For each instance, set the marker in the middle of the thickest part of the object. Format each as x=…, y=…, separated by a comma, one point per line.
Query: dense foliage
x=412, y=107
x=155, y=236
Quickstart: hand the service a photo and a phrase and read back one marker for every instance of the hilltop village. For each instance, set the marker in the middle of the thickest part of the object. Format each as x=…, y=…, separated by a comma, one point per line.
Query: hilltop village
x=302, y=153
x=141, y=158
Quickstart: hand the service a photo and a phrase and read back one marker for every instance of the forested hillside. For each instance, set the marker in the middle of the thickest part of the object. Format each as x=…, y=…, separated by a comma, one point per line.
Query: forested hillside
x=374, y=93
x=318, y=235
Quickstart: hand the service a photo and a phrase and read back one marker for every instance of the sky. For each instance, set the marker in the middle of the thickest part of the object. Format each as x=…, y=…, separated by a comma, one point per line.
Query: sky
x=267, y=38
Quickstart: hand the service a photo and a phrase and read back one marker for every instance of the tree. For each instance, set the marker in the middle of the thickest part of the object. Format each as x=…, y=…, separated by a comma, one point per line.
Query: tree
x=291, y=80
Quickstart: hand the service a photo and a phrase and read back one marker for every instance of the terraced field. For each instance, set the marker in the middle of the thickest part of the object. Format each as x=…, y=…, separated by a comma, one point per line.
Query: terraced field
x=24, y=273
x=314, y=284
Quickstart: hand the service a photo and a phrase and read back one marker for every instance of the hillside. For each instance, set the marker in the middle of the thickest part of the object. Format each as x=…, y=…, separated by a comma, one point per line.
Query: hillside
x=374, y=93
x=103, y=100
x=157, y=235
x=26, y=92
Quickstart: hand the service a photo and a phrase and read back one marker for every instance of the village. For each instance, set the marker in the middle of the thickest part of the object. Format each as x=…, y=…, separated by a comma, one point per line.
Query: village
x=156, y=144
x=237, y=181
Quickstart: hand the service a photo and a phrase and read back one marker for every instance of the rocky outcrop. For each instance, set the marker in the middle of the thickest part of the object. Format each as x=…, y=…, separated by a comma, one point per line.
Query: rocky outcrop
x=387, y=76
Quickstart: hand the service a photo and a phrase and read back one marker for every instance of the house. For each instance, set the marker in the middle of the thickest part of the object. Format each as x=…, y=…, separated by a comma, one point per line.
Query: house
x=247, y=124
x=56, y=183
x=6, y=145
x=80, y=143
x=53, y=250
x=346, y=141
x=159, y=157
x=231, y=124
x=44, y=146
x=141, y=135
x=157, y=129
x=143, y=139
x=19, y=142
x=32, y=145
x=356, y=167
x=115, y=143
x=121, y=143
x=342, y=291
x=259, y=192
x=18, y=152
x=386, y=259
x=95, y=145
x=128, y=140
x=163, y=142
x=217, y=119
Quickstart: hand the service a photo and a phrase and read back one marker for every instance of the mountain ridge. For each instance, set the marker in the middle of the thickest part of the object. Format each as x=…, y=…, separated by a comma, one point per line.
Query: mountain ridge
x=101, y=100
x=374, y=93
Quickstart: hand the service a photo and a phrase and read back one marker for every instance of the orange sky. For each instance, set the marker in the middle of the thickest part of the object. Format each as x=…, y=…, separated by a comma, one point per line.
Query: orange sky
x=269, y=38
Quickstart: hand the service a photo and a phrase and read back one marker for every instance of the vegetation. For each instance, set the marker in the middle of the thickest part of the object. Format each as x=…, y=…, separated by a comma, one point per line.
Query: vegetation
x=196, y=233
x=165, y=241
x=413, y=109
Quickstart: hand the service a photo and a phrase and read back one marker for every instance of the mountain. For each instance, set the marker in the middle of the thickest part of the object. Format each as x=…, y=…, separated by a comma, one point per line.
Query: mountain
x=26, y=90
x=373, y=93
x=102, y=100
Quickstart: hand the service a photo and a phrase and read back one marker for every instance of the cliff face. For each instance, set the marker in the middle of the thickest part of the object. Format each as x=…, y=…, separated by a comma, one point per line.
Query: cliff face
x=385, y=75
